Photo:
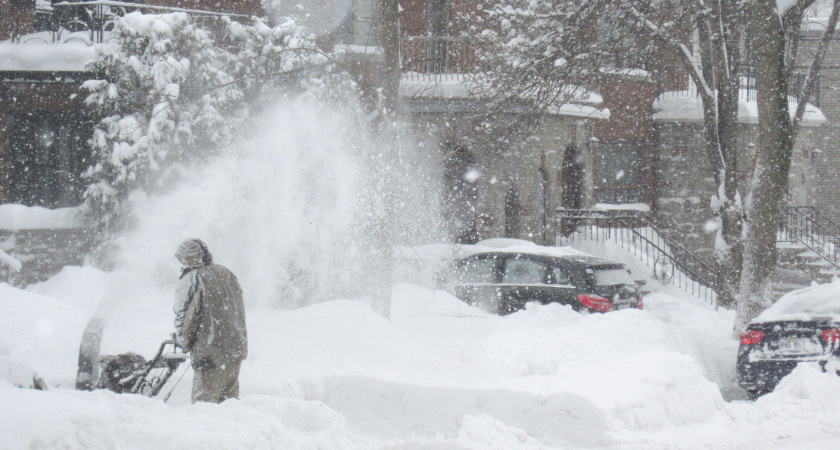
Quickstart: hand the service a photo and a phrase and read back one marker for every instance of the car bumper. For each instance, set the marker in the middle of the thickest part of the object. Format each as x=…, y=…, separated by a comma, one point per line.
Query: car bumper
x=764, y=375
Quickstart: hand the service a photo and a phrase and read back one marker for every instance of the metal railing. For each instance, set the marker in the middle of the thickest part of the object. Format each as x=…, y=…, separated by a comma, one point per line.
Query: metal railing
x=805, y=225
x=747, y=89
x=441, y=57
x=633, y=231
x=94, y=19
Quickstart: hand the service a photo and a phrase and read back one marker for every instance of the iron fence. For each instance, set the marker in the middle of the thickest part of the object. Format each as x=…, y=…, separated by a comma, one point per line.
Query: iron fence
x=441, y=57
x=805, y=225
x=633, y=231
x=747, y=88
x=92, y=21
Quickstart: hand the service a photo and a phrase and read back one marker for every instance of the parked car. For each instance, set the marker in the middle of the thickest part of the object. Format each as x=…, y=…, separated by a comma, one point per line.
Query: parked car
x=503, y=282
x=802, y=326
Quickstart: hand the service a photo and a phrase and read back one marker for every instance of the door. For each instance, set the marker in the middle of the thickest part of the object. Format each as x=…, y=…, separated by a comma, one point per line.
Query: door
x=476, y=281
x=523, y=281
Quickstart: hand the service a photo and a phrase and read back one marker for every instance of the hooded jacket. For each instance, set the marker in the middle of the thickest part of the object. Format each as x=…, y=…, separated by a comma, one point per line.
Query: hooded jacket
x=209, y=308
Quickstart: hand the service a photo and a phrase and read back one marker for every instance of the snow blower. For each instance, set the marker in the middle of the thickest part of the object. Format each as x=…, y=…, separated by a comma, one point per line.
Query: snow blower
x=126, y=372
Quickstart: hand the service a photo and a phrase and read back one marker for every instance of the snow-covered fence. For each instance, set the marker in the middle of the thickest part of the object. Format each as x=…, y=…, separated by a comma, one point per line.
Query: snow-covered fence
x=632, y=231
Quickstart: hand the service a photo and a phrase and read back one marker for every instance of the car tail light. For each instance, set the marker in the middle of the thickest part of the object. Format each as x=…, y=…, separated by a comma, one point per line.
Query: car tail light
x=595, y=302
x=751, y=337
x=641, y=304
x=831, y=335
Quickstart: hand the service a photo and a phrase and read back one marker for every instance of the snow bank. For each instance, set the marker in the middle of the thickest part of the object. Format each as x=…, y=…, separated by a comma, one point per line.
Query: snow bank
x=41, y=332
x=440, y=374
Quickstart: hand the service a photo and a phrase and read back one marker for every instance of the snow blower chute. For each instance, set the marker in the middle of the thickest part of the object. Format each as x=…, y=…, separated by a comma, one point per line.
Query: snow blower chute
x=127, y=372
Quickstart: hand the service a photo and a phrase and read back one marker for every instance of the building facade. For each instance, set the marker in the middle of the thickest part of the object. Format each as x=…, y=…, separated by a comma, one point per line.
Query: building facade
x=636, y=143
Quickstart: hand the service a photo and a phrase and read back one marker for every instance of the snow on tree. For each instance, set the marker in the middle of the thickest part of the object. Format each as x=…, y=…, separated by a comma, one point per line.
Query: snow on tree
x=541, y=54
x=178, y=87
x=773, y=26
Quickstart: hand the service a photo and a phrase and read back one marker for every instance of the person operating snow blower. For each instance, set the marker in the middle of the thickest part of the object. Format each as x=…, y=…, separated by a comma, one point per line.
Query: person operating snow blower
x=210, y=323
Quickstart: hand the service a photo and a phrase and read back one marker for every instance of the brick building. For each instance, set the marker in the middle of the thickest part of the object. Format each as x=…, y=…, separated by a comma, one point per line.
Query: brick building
x=646, y=154
x=637, y=141
x=44, y=124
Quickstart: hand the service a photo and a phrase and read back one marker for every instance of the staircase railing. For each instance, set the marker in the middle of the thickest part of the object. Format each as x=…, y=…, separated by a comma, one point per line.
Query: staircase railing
x=633, y=231
x=806, y=226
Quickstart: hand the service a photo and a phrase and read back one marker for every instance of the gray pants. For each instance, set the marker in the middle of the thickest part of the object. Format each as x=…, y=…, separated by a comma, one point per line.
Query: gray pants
x=217, y=384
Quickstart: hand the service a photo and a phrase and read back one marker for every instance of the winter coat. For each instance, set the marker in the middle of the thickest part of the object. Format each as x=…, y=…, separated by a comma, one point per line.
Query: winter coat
x=209, y=309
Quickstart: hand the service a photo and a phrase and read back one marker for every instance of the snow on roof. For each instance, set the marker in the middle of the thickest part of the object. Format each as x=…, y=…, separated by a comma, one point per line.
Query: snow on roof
x=20, y=217
x=683, y=106
x=820, y=301
x=457, y=86
x=644, y=207
x=36, y=55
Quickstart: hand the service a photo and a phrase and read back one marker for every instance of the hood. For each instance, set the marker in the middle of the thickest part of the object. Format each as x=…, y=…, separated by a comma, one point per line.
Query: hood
x=193, y=253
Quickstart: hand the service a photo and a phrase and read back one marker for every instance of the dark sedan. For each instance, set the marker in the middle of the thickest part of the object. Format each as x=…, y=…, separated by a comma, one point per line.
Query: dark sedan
x=504, y=282
x=802, y=326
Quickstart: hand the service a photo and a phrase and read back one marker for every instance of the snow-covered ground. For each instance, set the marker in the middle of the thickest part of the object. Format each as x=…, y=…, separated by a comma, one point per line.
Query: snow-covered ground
x=440, y=374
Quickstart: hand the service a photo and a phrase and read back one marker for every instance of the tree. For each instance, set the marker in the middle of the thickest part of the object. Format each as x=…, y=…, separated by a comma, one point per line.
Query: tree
x=171, y=91
x=383, y=163
x=720, y=27
x=773, y=30
x=551, y=51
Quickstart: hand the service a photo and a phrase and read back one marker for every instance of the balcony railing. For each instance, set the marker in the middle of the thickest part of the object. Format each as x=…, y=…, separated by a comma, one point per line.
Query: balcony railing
x=747, y=91
x=441, y=57
x=91, y=21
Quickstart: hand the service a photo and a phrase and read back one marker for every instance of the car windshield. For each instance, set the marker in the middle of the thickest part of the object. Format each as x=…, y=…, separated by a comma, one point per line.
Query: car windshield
x=612, y=277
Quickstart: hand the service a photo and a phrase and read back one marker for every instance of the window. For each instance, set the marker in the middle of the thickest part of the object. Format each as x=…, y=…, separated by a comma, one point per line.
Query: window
x=49, y=152
x=558, y=276
x=478, y=271
x=617, y=173
x=524, y=271
x=612, y=277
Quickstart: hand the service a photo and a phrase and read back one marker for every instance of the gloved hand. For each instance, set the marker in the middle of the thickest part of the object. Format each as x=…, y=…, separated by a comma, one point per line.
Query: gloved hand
x=179, y=341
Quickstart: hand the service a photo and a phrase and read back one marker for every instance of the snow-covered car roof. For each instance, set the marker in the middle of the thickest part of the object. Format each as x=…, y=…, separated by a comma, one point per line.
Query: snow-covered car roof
x=507, y=245
x=814, y=302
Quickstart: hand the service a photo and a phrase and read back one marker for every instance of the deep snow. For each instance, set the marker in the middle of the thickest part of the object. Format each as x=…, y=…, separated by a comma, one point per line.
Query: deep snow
x=440, y=374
